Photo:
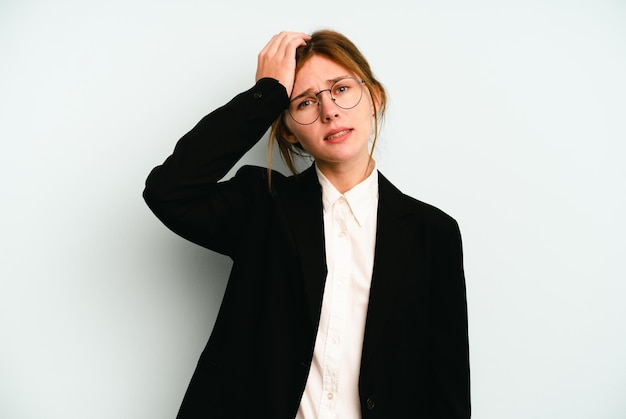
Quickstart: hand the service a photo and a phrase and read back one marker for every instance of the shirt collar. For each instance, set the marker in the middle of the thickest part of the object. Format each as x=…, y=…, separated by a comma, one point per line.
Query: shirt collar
x=361, y=198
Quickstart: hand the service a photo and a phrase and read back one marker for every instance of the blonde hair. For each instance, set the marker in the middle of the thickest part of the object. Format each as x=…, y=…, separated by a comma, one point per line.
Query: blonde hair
x=341, y=50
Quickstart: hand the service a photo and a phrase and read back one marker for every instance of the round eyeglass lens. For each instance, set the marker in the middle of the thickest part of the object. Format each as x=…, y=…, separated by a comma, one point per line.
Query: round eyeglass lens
x=306, y=108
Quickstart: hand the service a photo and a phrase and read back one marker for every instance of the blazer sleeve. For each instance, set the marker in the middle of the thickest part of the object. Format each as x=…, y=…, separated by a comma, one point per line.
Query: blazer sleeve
x=449, y=347
x=184, y=192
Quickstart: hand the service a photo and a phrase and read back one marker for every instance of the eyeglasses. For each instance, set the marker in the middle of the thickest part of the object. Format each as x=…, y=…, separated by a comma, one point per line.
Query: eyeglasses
x=346, y=93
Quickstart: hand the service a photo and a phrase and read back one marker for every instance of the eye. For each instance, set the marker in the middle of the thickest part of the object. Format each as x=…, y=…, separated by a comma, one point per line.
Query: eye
x=305, y=103
x=341, y=89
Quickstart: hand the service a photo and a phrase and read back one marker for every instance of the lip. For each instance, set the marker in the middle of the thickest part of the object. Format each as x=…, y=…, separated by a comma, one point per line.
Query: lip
x=337, y=135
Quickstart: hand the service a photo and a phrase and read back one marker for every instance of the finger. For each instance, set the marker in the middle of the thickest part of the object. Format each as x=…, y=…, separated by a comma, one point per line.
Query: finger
x=283, y=42
x=272, y=45
x=294, y=40
x=278, y=58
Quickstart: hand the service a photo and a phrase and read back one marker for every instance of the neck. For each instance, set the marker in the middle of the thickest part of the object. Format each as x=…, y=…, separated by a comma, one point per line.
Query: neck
x=344, y=177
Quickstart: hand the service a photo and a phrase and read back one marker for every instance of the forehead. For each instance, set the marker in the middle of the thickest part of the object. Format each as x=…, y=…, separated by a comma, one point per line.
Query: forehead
x=318, y=71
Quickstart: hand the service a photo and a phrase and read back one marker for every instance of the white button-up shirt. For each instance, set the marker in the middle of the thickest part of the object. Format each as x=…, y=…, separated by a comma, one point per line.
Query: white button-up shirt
x=350, y=235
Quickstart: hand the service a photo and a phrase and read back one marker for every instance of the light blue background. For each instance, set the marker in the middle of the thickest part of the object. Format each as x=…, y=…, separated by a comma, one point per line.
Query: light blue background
x=509, y=115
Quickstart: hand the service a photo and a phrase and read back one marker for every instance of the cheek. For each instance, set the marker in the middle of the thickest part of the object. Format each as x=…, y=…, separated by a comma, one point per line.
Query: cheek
x=367, y=116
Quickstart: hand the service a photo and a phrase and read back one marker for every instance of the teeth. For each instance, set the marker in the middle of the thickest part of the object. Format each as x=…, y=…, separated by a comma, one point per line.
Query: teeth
x=339, y=134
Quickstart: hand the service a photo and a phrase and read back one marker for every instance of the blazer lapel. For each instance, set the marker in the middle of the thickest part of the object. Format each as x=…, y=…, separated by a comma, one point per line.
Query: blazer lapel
x=389, y=258
x=303, y=201
x=303, y=207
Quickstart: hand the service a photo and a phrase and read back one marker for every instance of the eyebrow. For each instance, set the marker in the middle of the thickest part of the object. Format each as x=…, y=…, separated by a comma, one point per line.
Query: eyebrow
x=329, y=81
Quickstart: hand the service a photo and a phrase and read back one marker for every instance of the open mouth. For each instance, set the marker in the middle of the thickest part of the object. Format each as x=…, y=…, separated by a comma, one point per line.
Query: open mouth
x=337, y=135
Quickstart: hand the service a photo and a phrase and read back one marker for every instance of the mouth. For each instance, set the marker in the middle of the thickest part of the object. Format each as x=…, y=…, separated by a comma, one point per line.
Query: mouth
x=338, y=134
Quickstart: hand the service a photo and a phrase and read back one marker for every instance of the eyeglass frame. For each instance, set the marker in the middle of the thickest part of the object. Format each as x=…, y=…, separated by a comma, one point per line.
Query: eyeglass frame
x=330, y=92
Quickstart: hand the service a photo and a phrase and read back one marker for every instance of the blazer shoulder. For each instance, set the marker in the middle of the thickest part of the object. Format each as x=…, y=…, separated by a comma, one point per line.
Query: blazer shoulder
x=277, y=185
x=258, y=175
x=431, y=211
x=410, y=206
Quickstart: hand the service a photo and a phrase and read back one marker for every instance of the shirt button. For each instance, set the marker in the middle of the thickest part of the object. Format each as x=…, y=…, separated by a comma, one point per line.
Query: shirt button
x=336, y=340
x=370, y=404
x=257, y=95
x=330, y=396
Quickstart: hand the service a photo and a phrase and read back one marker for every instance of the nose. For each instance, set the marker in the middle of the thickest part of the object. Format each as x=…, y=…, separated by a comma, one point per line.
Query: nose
x=328, y=107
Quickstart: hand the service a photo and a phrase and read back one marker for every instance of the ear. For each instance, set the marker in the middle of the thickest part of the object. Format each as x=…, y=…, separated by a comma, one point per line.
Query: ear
x=284, y=131
x=291, y=138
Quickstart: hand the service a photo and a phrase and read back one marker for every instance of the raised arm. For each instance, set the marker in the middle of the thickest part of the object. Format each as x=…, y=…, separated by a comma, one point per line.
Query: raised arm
x=184, y=192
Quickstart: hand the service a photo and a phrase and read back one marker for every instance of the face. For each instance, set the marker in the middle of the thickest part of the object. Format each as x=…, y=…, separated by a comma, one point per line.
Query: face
x=338, y=139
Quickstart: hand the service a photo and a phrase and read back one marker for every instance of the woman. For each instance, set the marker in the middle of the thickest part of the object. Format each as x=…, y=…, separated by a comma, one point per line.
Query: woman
x=346, y=298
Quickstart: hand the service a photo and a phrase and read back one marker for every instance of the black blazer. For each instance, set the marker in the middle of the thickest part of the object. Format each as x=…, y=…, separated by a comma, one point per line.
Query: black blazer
x=415, y=352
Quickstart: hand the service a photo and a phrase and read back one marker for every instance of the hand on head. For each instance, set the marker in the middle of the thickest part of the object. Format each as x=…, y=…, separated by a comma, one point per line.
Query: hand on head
x=278, y=58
